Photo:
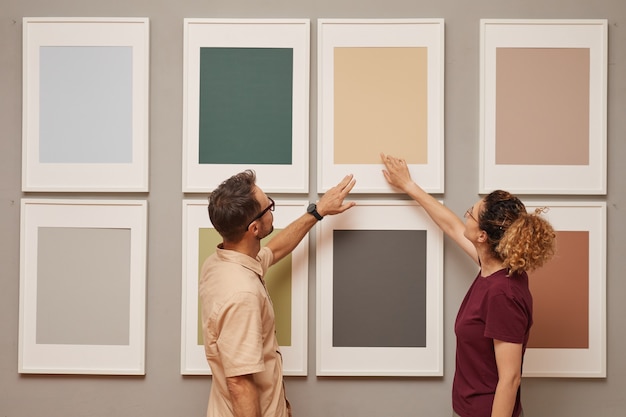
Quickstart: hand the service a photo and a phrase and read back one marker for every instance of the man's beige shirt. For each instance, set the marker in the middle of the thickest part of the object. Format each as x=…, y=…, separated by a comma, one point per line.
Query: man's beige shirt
x=239, y=330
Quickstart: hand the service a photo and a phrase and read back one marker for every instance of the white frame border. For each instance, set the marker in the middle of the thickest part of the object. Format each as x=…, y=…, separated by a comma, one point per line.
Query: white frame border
x=287, y=33
x=371, y=361
x=380, y=33
x=193, y=359
x=107, y=177
x=544, y=179
x=36, y=358
x=578, y=363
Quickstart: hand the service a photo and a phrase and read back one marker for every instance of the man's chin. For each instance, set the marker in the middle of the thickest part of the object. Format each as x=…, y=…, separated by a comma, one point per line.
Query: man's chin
x=269, y=233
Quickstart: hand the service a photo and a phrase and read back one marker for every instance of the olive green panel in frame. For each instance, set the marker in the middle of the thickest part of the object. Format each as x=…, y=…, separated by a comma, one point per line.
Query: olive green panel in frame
x=278, y=281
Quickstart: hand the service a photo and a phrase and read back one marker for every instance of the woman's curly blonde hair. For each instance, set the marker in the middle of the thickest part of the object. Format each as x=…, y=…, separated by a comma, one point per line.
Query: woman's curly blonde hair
x=523, y=241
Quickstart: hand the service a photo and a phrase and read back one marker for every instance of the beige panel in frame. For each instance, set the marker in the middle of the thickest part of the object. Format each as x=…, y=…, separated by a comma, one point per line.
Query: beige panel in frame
x=542, y=178
x=193, y=359
x=380, y=361
x=85, y=32
x=112, y=359
x=382, y=34
x=589, y=362
x=246, y=33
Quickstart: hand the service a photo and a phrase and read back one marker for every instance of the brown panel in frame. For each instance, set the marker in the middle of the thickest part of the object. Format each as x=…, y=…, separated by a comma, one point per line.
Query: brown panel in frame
x=561, y=295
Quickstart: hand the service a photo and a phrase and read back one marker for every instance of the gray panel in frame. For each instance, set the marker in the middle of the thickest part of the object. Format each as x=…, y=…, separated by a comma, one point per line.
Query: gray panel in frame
x=83, y=286
x=379, y=288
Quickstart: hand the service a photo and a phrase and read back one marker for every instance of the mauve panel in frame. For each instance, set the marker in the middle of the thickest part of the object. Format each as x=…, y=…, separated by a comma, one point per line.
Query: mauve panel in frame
x=246, y=105
x=542, y=106
x=561, y=295
x=83, y=286
x=381, y=104
x=86, y=104
x=278, y=281
x=379, y=294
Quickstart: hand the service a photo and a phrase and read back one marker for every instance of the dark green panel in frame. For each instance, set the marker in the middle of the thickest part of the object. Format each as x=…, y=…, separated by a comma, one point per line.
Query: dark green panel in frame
x=246, y=97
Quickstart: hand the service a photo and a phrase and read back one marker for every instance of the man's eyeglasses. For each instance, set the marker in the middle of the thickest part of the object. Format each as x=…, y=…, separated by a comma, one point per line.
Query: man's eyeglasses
x=468, y=214
x=271, y=207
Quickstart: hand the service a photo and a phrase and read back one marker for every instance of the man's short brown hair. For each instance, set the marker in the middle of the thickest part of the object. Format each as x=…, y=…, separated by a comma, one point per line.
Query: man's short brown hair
x=232, y=204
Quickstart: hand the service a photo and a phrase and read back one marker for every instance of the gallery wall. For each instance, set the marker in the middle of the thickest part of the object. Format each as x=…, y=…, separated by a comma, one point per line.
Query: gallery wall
x=163, y=391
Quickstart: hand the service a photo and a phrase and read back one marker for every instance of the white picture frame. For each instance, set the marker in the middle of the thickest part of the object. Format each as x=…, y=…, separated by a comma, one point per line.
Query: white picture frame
x=583, y=173
x=56, y=354
x=577, y=362
x=196, y=217
x=381, y=35
x=380, y=361
x=85, y=128
x=253, y=34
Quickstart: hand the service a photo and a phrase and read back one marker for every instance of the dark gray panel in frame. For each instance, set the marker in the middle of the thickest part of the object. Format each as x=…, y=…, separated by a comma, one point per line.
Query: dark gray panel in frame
x=379, y=288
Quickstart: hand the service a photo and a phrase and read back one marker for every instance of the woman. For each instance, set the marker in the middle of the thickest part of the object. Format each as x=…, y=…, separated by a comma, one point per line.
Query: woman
x=493, y=322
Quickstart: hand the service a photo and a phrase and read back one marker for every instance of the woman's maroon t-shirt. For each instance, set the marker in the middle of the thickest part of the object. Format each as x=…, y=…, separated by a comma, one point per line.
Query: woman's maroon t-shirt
x=495, y=307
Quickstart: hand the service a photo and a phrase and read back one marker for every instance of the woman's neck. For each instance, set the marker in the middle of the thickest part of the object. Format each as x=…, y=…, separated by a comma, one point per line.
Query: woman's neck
x=489, y=264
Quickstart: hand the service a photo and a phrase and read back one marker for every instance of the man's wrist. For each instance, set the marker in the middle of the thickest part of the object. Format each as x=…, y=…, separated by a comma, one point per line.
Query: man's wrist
x=312, y=210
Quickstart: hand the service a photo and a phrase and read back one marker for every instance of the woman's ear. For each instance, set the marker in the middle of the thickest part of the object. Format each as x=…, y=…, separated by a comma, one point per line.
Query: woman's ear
x=482, y=236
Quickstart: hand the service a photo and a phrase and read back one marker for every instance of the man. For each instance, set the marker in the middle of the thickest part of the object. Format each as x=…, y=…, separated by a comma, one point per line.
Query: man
x=237, y=314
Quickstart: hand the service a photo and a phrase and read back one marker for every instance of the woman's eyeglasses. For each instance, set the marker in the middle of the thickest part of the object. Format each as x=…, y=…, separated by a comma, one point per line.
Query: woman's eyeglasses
x=468, y=214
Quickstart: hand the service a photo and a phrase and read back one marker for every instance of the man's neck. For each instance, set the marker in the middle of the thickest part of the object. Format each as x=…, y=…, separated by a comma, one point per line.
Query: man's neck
x=250, y=247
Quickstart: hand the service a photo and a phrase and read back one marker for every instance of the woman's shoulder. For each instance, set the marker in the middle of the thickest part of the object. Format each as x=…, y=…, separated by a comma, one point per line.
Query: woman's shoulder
x=510, y=284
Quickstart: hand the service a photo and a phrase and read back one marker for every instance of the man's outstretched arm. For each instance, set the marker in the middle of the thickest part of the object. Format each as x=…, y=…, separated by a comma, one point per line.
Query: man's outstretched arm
x=331, y=203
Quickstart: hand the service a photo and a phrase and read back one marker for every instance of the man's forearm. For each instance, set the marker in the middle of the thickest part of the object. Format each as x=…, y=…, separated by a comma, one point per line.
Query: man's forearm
x=287, y=239
x=244, y=396
x=331, y=203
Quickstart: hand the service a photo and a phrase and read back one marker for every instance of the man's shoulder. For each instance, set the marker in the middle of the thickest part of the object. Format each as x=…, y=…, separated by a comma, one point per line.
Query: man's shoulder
x=228, y=274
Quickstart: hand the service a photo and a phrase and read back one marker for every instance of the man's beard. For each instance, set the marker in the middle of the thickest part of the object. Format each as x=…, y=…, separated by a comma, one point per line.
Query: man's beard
x=267, y=234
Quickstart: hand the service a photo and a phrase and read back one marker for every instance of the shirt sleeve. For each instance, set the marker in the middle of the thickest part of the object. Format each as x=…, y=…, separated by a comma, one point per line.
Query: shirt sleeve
x=265, y=257
x=240, y=339
x=506, y=319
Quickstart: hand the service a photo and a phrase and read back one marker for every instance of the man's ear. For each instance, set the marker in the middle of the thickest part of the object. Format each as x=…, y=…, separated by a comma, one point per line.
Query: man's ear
x=254, y=228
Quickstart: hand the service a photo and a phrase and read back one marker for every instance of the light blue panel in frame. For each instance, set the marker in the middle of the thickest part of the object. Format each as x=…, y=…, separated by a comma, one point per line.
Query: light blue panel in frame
x=86, y=104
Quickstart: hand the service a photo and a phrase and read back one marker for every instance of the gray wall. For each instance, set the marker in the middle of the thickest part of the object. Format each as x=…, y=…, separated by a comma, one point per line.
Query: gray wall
x=163, y=391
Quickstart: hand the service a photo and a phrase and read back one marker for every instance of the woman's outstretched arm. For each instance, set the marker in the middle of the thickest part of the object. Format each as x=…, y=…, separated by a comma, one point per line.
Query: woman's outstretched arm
x=397, y=174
